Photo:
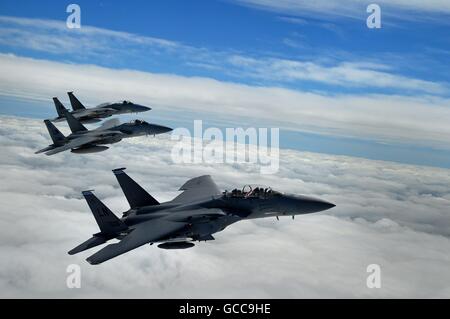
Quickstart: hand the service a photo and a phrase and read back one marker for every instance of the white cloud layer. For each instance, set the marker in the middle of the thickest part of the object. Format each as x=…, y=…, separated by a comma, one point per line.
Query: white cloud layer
x=348, y=74
x=390, y=214
x=417, y=120
x=53, y=36
x=351, y=8
x=92, y=43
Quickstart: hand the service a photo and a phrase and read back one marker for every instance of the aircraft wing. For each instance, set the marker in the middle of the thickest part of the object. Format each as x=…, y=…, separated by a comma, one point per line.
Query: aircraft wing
x=73, y=144
x=148, y=232
x=197, y=188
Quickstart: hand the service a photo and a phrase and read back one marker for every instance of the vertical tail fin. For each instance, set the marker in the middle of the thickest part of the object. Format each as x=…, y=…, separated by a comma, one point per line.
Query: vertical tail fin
x=76, y=104
x=135, y=194
x=57, y=137
x=60, y=109
x=74, y=124
x=105, y=218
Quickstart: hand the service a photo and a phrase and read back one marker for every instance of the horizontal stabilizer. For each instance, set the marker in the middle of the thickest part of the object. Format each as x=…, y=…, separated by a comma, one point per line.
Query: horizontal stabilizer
x=147, y=232
x=46, y=149
x=135, y=194
x=76, y=143
x=91, y=242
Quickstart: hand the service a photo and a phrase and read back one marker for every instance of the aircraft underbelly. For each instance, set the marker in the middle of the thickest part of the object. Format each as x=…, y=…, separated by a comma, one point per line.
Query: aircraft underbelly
x=109, y=140
x=212, y=226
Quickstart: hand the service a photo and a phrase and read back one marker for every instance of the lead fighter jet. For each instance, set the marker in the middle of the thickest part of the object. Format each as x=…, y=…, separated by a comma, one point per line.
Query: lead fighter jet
x=83, y=140
x=95, y=114
x=195, y=215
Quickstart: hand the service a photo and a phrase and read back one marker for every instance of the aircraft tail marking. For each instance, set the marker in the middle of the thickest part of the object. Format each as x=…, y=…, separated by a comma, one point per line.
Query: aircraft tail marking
x=60, y=109
x=105, y=218
x=57, y=137
x=76, y=104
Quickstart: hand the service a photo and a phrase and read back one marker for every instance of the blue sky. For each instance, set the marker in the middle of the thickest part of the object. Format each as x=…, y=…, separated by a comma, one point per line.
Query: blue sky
x=414, y=48
x=322, y=50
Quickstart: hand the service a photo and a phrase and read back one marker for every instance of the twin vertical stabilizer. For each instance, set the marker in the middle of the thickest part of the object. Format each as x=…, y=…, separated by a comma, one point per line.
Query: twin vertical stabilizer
x=135, y=194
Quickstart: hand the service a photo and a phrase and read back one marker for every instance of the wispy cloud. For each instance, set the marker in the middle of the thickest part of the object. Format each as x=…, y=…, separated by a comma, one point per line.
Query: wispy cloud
x=416, y=120
x=60, y=30
x=87, y=42
x=98, y=46
x=293, y=20
x=353, y=74
x=355, y=9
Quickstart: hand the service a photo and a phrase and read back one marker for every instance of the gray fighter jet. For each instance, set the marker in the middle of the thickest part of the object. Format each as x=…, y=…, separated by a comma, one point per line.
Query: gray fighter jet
x=84, y=141
x=194, y=215
x=95, y=114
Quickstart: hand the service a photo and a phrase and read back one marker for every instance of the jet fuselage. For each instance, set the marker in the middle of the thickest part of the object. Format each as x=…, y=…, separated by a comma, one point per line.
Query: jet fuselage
x=96, y=114
x=213, y=214
x=197, y=213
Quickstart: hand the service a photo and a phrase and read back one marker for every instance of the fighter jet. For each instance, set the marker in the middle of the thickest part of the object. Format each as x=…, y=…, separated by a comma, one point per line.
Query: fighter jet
x=82, y=140
x=194, y=215
x=95, y=114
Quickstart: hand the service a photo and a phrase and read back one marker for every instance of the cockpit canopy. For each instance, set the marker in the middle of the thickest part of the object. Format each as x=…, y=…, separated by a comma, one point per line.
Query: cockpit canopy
x=104, y=104
x=124, y=102
x=137, y=122
x=252, y=191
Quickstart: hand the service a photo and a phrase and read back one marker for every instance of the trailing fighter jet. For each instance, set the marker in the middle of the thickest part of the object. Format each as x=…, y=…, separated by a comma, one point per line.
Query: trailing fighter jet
x=194, y=215
x=84, y=141
x=95, y=114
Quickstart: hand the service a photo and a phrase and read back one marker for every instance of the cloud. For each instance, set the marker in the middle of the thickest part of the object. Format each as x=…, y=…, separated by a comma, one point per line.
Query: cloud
x=351, y=8
x=53, y=36
x=348, y=74
x=108, y=47
x=90, y=43
x=415, y=120
x=390, y=214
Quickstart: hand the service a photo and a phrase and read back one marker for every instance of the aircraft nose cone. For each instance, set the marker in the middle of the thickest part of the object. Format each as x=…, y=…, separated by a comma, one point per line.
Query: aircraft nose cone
x=158, y=129
x=319, y=205
x=311, y=205
x=141, y=108
x=324, y=205
x=165, y=129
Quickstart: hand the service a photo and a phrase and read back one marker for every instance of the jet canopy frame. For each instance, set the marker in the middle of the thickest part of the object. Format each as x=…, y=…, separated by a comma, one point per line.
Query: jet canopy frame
x=137, y=122
x=123, y=102
x=252, y=191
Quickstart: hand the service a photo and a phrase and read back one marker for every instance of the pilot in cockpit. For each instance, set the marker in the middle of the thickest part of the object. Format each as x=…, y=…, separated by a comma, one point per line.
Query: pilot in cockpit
x=236, y=193
x=257, y=192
